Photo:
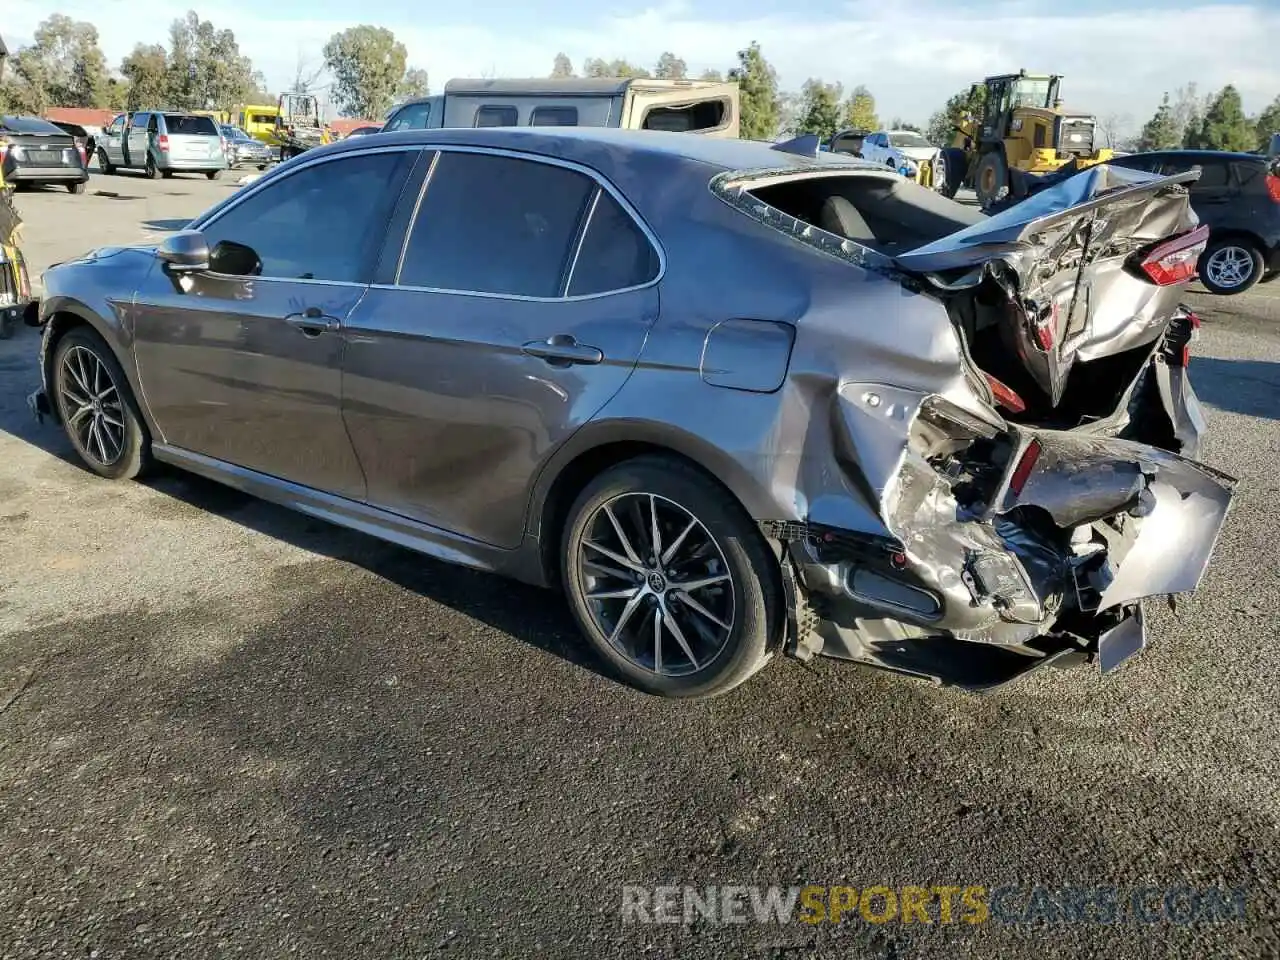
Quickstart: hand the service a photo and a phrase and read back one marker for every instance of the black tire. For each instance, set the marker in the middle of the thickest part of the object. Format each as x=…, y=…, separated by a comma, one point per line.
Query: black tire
x=991, y=179
x=956, y=164
x=8, y=324
x=134, y=455
x=740, y=647
x=104, y=164
x=1226, y=259
x=151, y=170
x=213, y=174
x=76, y=188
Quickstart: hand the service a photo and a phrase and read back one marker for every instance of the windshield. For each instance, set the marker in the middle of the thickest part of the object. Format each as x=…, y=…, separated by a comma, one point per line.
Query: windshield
x=188, y=126
x=908, y=139
x=1031, y=93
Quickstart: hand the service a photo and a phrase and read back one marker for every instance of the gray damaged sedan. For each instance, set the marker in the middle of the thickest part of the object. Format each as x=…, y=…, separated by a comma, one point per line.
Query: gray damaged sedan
x=738, y=400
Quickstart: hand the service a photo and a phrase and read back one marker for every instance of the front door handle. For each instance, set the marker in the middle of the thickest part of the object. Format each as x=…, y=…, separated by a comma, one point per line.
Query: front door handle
x=562, y=350
x=313, y=322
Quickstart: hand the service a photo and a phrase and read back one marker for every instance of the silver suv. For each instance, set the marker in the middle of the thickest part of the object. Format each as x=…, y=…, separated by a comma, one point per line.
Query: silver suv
x=162, y=144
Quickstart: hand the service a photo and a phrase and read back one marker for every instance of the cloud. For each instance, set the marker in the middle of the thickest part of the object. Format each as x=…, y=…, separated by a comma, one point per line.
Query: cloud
x=912, y=57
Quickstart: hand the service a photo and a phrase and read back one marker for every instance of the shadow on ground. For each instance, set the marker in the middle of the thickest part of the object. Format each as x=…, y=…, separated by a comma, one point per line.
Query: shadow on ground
x=1249, y=387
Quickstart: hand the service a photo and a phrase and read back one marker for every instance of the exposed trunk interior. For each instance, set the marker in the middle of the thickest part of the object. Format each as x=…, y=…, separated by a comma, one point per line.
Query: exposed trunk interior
x=888, y=214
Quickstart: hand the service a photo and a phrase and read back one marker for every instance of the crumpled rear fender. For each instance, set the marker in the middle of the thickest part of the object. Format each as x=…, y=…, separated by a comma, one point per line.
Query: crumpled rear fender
x=1156, y=514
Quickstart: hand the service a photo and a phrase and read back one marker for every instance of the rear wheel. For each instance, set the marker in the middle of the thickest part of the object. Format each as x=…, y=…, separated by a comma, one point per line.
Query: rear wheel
x=75, y=188
x=151, y=170
x=991, y=180
x=1230, y=265
x=670, y=580
x=97, y=408
x=213, y=174
x=104, y=164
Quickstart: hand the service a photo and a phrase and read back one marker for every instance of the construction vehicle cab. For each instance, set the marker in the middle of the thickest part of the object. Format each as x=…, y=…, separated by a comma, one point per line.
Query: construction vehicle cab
x=1022, y=127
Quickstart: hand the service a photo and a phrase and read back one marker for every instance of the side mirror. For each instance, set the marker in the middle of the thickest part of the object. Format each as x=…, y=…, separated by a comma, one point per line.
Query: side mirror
x=186, y=251
x=235, y=259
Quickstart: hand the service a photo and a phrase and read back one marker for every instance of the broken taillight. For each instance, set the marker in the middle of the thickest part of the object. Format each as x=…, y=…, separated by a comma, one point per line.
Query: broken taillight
x=1004, y=395
x=1026, y=463
x=1174, y=261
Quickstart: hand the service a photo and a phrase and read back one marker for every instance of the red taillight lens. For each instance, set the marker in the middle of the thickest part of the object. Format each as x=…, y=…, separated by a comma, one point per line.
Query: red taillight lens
x=163, y=141
x=1273, y=187
x=4, y=148
x=84, y=157
x=1174, y=261
x=1026, y=463
x=1005, y=396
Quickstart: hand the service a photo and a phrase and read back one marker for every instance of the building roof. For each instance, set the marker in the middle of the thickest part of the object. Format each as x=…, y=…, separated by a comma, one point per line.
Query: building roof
x=345, y=125
x=81, y=116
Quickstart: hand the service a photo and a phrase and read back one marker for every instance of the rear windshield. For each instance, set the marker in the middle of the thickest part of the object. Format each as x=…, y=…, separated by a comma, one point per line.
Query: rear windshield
x=908, y=140
x=885, y=213
x=27, y=125
x=186, y=126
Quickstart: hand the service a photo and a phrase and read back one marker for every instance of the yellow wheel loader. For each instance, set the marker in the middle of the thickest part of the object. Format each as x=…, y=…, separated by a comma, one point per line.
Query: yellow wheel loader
x=15, y=284
x=1022, y=127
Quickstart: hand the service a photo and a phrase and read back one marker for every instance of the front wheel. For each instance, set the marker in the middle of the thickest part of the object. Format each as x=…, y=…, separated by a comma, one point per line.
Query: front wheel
x=213, y=174
x=1230, y=266
x=953, y=164
x=670, y=580
x=97, y=408
x=991, y=179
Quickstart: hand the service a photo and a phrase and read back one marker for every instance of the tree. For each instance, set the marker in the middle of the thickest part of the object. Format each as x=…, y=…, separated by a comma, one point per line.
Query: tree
x=595, y=67
x=306, y=74
x=711, y=75
x=860, y=110
x=562, y=67
x=897, y=123
x=819, y=110
x=145, y=71
x=670, y=67
x=205, y=68
x=1225, y=126
x=368, y=66
x=1161, y=132
x=1267, y=124
x=758, y=92
x=968, y=104
x=414, y=84
x=63, y=67
x=1112, y=126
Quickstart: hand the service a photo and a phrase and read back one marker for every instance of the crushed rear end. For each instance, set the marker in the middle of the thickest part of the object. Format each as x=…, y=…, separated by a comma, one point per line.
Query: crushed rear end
x=1027, y=509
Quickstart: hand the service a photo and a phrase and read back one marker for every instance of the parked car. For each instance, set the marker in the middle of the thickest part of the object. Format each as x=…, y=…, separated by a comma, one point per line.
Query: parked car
x=34, y=152
x=1237, y=196
x=243, y=149
x=737, y=400
x=86, y=142
x=363, y=131
x=162, y=144
x=899, y=149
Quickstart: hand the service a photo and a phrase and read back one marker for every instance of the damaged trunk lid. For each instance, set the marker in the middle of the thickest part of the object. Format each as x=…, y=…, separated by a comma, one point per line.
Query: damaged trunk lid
x=1087, y=269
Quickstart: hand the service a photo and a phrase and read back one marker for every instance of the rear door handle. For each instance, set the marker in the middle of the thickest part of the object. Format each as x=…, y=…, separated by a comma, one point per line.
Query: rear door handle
x=562, y=350
x=313, y=322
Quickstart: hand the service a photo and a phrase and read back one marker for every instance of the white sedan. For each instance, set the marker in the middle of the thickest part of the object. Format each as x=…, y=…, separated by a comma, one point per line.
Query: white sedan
x=899, y=149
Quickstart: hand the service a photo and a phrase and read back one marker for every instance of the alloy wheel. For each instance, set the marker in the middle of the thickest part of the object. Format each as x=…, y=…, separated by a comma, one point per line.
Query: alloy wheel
x=91, y=406
x=656, y=583
x=1229, y=267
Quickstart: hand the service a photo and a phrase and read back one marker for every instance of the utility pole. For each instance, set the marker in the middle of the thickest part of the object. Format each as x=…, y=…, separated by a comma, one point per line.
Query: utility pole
x=4, y=55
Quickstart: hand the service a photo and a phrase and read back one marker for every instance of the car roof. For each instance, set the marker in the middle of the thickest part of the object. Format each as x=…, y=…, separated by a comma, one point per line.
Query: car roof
x=583, y=144
x=1202, y=155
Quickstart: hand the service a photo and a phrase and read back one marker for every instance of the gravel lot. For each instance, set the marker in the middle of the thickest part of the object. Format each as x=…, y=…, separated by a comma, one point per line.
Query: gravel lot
x=226, y=729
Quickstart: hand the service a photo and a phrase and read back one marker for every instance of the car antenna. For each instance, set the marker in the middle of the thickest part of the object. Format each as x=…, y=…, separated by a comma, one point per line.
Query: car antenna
x=805, y=145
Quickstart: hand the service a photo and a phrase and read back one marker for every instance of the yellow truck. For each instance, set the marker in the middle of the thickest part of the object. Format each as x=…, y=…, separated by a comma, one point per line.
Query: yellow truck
x=259, y=121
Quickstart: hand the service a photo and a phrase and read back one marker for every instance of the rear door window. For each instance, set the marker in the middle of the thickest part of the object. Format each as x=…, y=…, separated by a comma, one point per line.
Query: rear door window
x=494, y=116
x=497, y=225
x=554, y=117
x=615, y=252
x=140, y=121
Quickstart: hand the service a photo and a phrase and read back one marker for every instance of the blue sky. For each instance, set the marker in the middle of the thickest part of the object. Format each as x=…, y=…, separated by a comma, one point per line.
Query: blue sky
x=1117, y=57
